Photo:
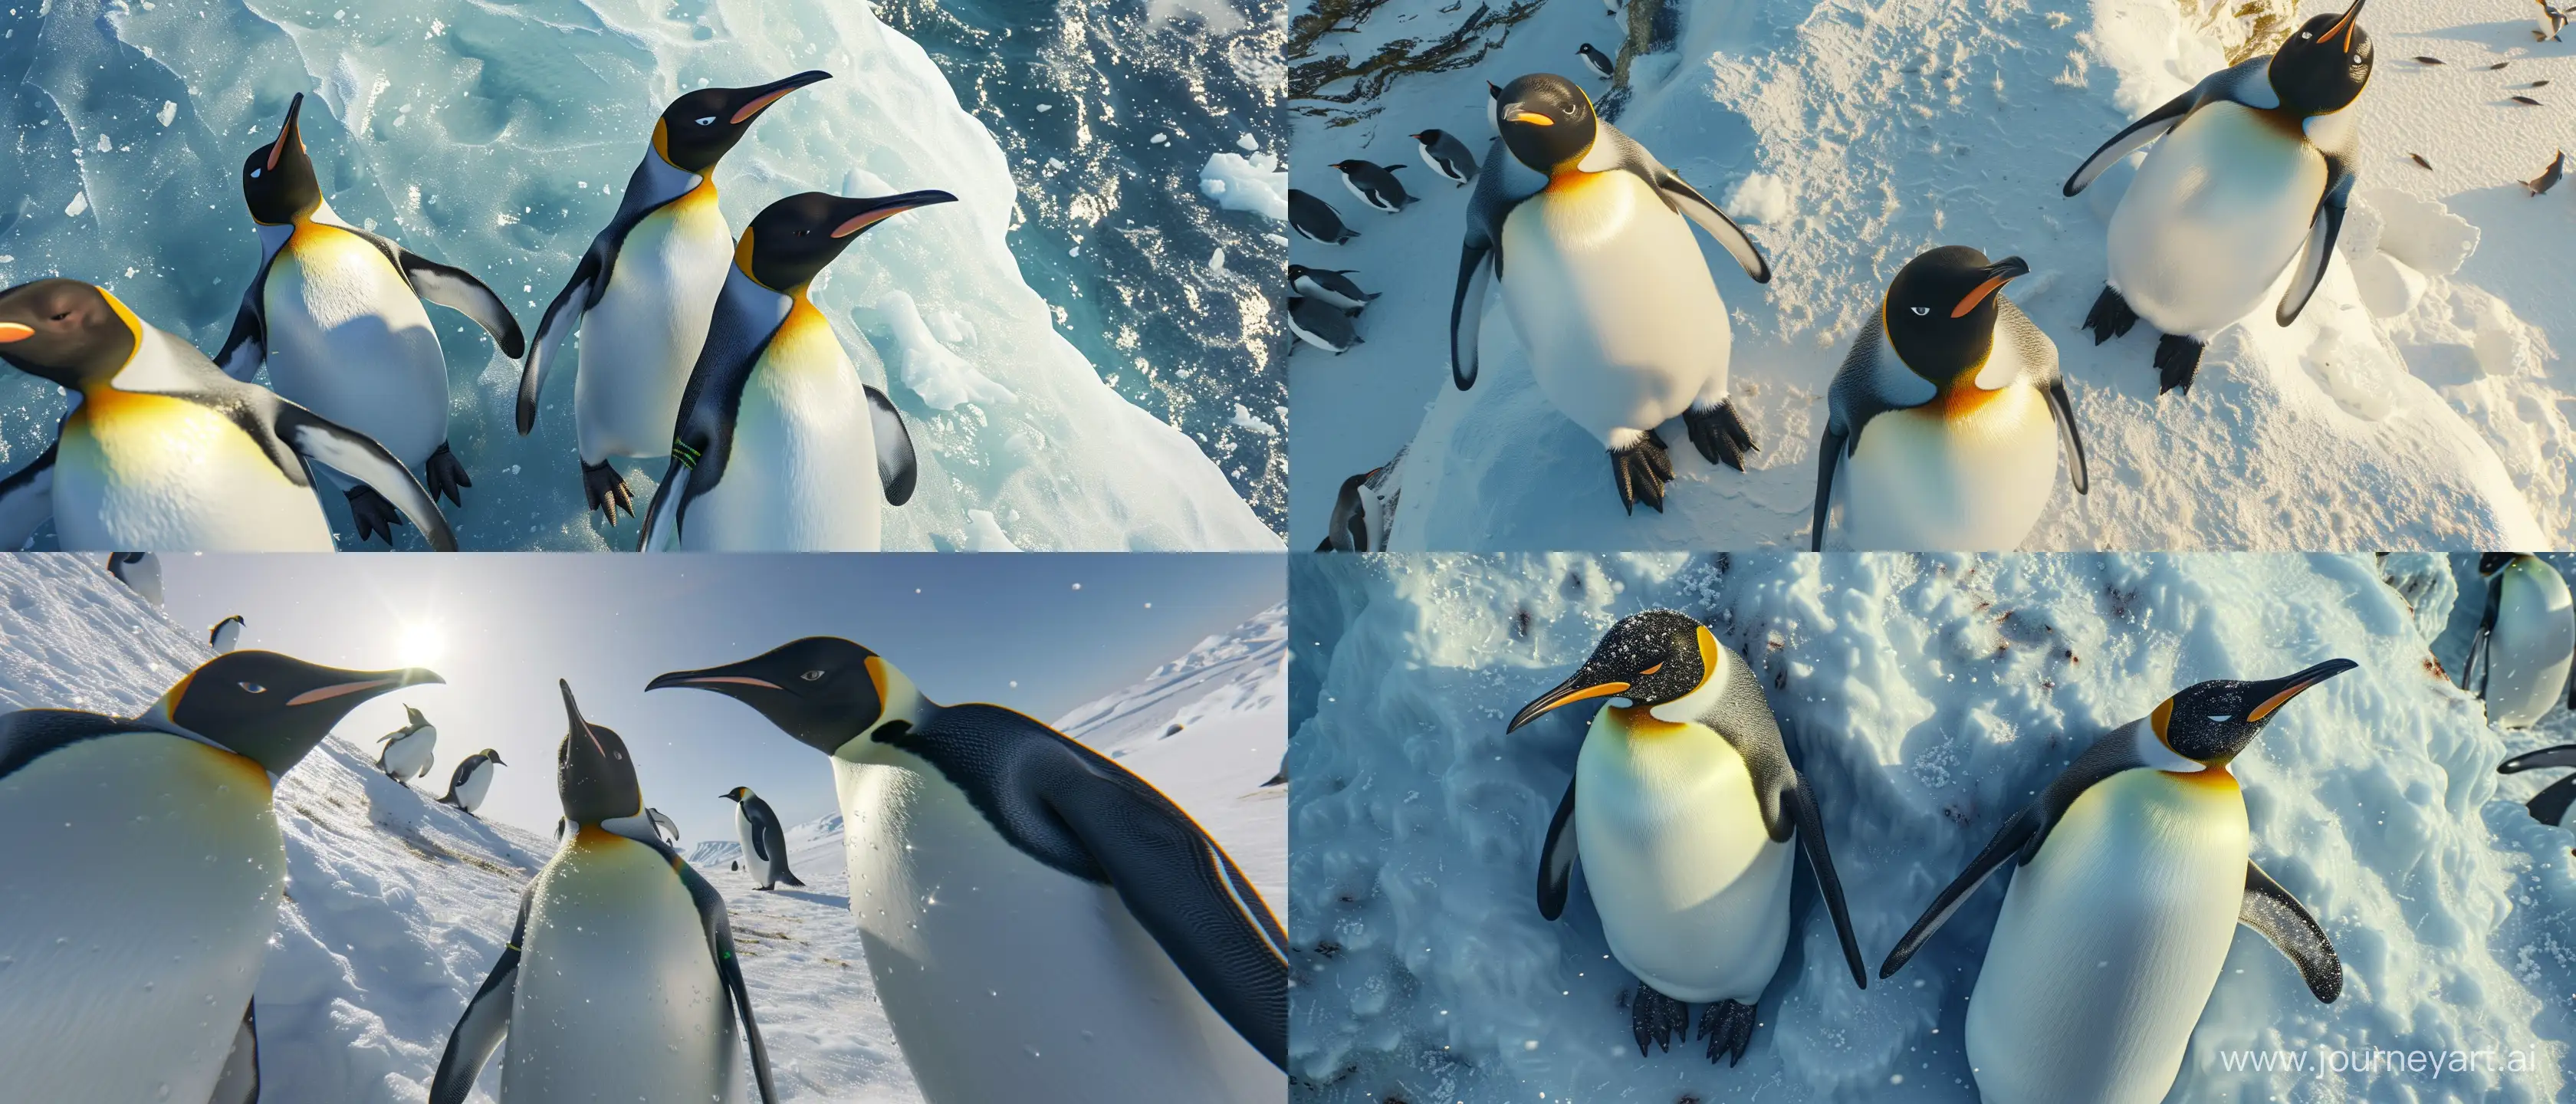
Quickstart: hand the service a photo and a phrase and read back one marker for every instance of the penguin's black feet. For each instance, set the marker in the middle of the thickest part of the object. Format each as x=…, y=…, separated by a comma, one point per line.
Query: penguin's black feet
x=606, y=491
x=1728, y=1027
x=373, y=514
x=447, y=475
x=1719, y=435
x=2110, y=317
x=1657, y=1019
x=1641, y=470
x=2177, y=359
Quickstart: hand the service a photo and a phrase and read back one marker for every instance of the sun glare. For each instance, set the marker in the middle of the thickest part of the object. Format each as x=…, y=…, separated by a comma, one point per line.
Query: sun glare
x=421, y=645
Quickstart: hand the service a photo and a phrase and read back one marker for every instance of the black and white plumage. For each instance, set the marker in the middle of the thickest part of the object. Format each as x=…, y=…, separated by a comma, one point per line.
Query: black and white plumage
x=1447, y=156
x=1332, y=285
x=1315, y=220
x=764, y=839
x=225, y=635
x=1364, y=511
x=1595, y=60
x=1322, y=325
x=1374, y=184
x=472, y=780
x=408, y=751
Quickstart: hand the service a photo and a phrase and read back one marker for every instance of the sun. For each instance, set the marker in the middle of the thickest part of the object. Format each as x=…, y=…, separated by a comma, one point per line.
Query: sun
x=421, y=645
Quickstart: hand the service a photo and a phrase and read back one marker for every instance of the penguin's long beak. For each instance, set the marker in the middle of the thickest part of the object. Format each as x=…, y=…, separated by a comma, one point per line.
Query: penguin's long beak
x=710, y=676
x=2278, y=692
x=859, y=214
x=572, y=715
x=1514, y=112
x=2344, y=26
x=370, y=683
x=13, y=331
x=761, y=97
x=287, y=133
x=2564, y=755
x=1585, y=683
x=1997, y=275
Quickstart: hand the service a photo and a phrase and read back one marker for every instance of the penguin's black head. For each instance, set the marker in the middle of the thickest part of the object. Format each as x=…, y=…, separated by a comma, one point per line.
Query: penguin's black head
x=2210, y=722
x=277, y=179
x=593, y=773
x=1940, y=310
x=2491, y=562
x=66, y=331
x=493, y=756
x=736, y=794
x=417, y=721
x=1546, y=121
x=270, y=708
x=698, y=129
x=793, y=239
x=1430, y=138
x=2324, y=64
x=822, y=690
x=1649, y=658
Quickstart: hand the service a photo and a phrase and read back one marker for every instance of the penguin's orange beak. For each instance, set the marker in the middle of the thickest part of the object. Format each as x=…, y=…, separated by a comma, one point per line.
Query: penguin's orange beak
x=1998, y=274
x=1566, y=693
x=2345, y=26
x=11, y=331
x=286, y=132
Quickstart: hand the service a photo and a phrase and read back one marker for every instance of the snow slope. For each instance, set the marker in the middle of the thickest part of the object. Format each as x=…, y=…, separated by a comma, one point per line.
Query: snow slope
x=2424, y=399
x=1926, y=698
x=499, y=138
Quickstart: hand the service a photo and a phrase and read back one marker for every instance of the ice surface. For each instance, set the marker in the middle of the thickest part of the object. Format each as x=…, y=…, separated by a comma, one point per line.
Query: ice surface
x=1926, y=698
x=1254, y=184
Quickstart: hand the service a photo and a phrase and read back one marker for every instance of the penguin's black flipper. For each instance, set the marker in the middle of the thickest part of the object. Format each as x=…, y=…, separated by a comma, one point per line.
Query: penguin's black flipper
x=2322, y=232
x=458, y=290
x=359, y=457
x=2177, y=361
x=2564, y=755
x=2549, y=806
x=2478, y=642
x=2133, y=138
x=661, y=529
x=246, y=348
x=1801, y=802
x=1640, y=471
x=2016, y=834
x=1719, y=435
x=1829, y=456
x=239, y=1081
x=1556, y=858
x=588, y=282
x=711, y=915
x=1698, y=209
x=27, y=500
x=1476, y=263
x=897, y=467
x=2271, y=910
x=487, y=1018
x=2064, y=407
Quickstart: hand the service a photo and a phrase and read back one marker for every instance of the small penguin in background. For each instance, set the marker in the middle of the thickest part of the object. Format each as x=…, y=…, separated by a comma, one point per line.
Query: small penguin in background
x=764, y=840
x=1685, y=811
x=1362, y=512
x=644, y=289
x=2553, y=19
x=1322, y=325
x=2255, y=160
x=334, y=312
x=1586, y=233
x=1107, y=937
x=776, y=427
x=2136, y=863
x=472, y=780
x=2550, y=805
x=1332, y=285
x=2549, y=177
x=2525, y=644
x=1447, y=156
x=1596, y=61
x=1968, y=407
x=1315, y=220
x=621, y=949
x=140, y=572
x=1376, y=185
x=141, y=883
x=408, y=750
x=225, y=635
x=166, y=452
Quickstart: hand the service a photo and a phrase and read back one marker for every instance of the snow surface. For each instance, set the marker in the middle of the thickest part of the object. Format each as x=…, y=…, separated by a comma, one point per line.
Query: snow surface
x=498, y=138
x=2423, y=400
x=1926, y=698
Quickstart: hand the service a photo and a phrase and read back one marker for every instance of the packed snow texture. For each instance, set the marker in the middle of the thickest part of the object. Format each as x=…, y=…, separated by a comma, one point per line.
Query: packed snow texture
x=500, y=139
x=1926, y=699
x=2423, y=400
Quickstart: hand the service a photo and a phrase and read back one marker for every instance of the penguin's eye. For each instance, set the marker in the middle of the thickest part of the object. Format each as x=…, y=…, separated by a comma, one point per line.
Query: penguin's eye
x=2221, y=720
x=254, y=173
x=812, y=676
x=61, y=317
x=253, y=688
x=1921, y=311
x=708, y=121
x=2307, y=34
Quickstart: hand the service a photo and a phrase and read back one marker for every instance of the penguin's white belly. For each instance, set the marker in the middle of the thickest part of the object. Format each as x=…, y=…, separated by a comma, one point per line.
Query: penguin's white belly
x=1692, y=890
x=639, y=343
x=751, y=859
x=2220, y=207
x=1007, y=980
x=137, y=896
x=801, y=472
x=1977, y=481
x=2110, y=942
x=2530, y=648
x=469, y=793
x=348, y=340
x=618, y=1000
x=409, y=756
x=1608, y=291
x=149, y=471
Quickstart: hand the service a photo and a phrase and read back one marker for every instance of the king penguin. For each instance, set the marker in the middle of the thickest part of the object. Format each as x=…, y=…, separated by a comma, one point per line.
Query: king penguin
x=2134, y=868
x=139, y=571
x=619, y=981
x=2525, y=642
x=764, y=840
x=1585, y=231
x=409, y=750
x=644, y=289
x=141, y=882
x=2255, y=160
x=472, y=780
x=1684, y=809
x=226, y=635
x=1018, y=893
x=334, y=311
x=776, y=426
x=164, y=451
x=2550, y=805
x=1958, y=391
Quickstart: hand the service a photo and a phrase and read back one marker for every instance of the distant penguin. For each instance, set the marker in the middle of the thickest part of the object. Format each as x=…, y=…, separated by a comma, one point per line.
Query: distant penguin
x=409, y=750
x=2525, y=643
x=764, y=840
x=780, y=447
x=1322, y=325
x=1361, y=513
x=619, y=981
x=140, y=887
x=140, y=572
x=1585, y=232
x=2132, y=871
x=1332, y=285
x=1375, y=185
x=472, y=780
x=1950, y=410
x=334, y=312
x=644, y=289
x=2553, y=19
x=1447, y=156
x=2550, y=805
x=2256, y=159
x=1315, y=220
x=1105, y=936
x=1596, y=61
x=1686, y=812
x=166, y=452
x=225, y=635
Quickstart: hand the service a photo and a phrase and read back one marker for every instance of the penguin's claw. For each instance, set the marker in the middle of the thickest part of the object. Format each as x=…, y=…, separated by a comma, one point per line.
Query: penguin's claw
x=1719, y=434
x=606, y=491
x=447, y=475
x=1657, y=1019
x=1641, y=471
x=2177, y=360
x=2110, y=317
x=1728, y=1027
x=373, y=514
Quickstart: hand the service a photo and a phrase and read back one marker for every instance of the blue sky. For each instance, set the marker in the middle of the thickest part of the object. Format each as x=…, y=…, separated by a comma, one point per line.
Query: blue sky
x=1040, y=633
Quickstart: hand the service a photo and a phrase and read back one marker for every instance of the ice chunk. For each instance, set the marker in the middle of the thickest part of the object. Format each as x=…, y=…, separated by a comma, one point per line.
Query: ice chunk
x=942, y=378
x=1760, y=197
x=1244, y=419
x=1255, y=184
x=983, y=534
